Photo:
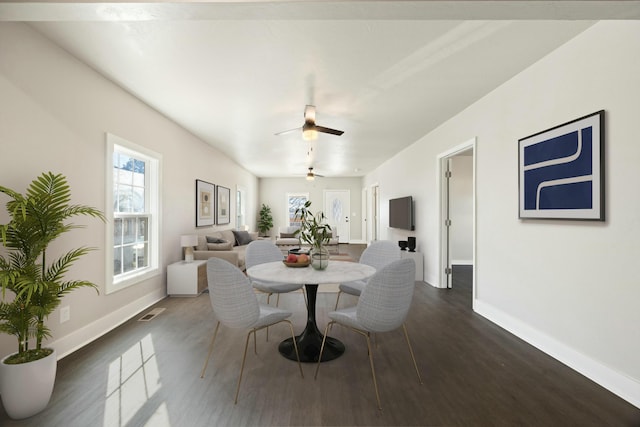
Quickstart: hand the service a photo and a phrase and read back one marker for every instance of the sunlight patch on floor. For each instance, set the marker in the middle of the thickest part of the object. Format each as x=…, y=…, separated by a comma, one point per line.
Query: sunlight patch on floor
x=133, y=379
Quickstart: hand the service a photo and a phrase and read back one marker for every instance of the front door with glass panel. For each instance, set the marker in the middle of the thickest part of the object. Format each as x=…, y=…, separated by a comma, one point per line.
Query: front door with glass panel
x=336, y=208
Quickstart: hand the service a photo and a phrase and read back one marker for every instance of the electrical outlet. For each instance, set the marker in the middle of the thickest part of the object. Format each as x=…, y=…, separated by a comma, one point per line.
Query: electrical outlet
x=65, y=313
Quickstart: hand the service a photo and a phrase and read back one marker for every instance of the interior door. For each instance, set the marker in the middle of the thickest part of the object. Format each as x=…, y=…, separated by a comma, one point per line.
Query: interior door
x=337, y=206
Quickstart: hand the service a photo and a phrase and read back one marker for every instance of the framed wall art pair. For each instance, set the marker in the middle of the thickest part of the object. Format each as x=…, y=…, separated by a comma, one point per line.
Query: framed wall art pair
x=212, y=204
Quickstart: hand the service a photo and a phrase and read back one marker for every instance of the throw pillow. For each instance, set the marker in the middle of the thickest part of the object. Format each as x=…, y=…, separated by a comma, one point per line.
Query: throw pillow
x=287, y=235
x=222, y=246
x=211, y=239
x=242, y=237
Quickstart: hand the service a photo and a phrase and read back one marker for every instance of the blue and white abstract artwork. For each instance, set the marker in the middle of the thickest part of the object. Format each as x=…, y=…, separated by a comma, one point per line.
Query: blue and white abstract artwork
x=561, y=171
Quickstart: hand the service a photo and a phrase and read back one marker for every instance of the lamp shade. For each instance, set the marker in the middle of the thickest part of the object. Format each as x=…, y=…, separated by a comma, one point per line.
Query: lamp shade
x=188, y=240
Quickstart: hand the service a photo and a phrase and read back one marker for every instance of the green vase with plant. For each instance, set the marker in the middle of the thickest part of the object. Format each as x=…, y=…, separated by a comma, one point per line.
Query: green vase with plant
x=265, y=220
x=35, y=282
x=314, y=231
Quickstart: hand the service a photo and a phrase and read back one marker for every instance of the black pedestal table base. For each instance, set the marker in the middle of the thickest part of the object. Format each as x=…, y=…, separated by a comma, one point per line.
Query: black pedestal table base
x=310, y=340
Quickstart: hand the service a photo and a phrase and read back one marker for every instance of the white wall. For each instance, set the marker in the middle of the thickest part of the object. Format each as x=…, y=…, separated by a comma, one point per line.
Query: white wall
x=273, y=192
x=54, y=112
x=564, y=286
x=461, y=209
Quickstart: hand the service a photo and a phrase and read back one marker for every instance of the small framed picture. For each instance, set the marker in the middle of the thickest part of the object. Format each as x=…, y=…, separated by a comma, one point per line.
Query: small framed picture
x=561, y=171
x=223, y=203
x=205, y=203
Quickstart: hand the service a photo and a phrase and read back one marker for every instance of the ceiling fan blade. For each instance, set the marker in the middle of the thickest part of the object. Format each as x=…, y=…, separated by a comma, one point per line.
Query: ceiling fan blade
x=329, y=130
x=310, y=114
x=289, y=131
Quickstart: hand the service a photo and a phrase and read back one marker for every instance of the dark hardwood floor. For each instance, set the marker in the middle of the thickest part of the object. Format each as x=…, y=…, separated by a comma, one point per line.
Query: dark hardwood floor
x=474, y=373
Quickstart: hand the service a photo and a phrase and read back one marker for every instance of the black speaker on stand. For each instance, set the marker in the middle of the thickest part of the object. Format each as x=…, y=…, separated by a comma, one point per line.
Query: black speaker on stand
x=411, y=243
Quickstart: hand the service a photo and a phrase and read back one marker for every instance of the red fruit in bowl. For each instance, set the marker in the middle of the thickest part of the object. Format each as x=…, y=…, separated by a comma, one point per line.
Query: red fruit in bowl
x=303, y=258
x=292, y=258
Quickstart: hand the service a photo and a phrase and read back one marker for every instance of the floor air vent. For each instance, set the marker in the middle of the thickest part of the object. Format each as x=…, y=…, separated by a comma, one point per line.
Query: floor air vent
x=150, y=315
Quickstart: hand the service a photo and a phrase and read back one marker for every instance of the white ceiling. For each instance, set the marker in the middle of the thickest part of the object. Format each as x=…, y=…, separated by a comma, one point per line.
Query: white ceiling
x=235, y=73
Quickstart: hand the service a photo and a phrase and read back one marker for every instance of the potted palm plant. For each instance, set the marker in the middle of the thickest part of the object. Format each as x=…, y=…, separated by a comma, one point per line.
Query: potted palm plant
x=316, y=232
x=35, y=285
x=265, y=221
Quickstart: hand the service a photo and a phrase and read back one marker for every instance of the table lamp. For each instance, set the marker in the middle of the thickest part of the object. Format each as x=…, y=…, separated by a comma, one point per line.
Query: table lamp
x=188, y=241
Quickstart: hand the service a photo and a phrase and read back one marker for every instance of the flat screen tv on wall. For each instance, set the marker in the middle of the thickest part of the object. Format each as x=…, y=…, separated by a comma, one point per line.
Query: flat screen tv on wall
x=401, y=213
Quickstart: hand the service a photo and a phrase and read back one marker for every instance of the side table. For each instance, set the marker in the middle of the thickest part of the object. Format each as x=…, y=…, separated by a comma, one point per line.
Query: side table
x=187, y=278
x=417, y=257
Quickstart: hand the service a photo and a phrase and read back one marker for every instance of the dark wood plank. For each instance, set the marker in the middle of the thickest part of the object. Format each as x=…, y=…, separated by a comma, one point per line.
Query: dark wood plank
x=474, y=372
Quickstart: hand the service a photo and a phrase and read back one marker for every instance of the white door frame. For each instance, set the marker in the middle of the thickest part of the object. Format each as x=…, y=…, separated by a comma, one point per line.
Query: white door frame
x=346, y=212
x=442, y=160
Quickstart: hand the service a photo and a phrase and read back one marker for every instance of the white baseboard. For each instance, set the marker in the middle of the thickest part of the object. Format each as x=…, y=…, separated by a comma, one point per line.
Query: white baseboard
x=623, y=386
x=83, y=336
x=462, y=262
x=357, y=242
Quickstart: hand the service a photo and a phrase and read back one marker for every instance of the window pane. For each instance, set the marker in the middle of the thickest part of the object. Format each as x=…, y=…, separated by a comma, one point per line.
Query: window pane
x=138, y=199
x=143, y=228
x=129, y=230
x=125, y=176
x=117, y=232
x=128, y=259
x=117, y=261
x=141, y=255
x=295, y=202
x=125, y=198
x=139, y=166
x=138, y=178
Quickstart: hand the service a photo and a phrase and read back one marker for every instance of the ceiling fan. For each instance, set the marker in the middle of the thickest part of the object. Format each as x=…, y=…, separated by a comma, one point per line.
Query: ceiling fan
x=309, y=129
x=311, y=175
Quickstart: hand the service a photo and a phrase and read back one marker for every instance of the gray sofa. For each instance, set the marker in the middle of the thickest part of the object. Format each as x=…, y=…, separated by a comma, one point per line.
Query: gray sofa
x=229, y=245
x=286, y=240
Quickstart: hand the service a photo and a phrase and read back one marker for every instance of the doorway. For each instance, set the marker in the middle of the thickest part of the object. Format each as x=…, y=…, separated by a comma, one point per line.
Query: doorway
x=457, y=216
x=337, y=208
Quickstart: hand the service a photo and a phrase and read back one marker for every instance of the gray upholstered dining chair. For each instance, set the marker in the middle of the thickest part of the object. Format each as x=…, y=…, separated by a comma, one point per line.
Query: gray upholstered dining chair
x=383, y=306
x=260, y=252
x=236, y=306
x=377, y=255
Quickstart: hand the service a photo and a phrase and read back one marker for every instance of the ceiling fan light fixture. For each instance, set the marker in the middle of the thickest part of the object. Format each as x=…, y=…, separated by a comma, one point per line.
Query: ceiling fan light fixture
x=310, y=176
x=309, y=133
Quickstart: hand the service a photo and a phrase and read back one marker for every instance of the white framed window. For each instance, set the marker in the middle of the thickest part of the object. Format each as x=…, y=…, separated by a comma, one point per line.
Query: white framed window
x=241, y=210
x=133, y=207
x=295, y=201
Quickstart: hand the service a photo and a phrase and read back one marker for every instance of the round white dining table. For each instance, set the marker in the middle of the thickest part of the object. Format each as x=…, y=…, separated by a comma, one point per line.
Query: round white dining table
x=310, y=340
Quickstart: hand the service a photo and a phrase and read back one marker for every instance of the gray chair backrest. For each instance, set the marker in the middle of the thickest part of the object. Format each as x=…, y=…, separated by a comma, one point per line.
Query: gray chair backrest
x=261, y=251
x=233, y=299
x=385, y=301
x=380, y=253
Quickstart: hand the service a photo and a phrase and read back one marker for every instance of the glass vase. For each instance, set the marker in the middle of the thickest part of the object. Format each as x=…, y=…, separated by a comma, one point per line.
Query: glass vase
x=320, y=258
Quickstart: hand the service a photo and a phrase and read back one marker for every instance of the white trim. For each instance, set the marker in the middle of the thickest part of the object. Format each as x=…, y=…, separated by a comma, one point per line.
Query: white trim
x=357, y=242
x=461, y=262
x=442, y=159
x=619, y=384
x=94, y=330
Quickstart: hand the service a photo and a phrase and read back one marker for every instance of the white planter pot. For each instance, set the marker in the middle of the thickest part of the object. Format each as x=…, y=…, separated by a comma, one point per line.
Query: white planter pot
x=26, y=388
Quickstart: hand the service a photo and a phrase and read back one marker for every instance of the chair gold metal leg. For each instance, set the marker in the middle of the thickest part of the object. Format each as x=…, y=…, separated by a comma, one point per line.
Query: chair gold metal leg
x=304, y=294
x=415, y=365
x=295, y=346
x=277, y=300
x=373, y=370
x=213, y=340
x=244, y=357
x=255, y=343
x=337, y=299
x=324, y=338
